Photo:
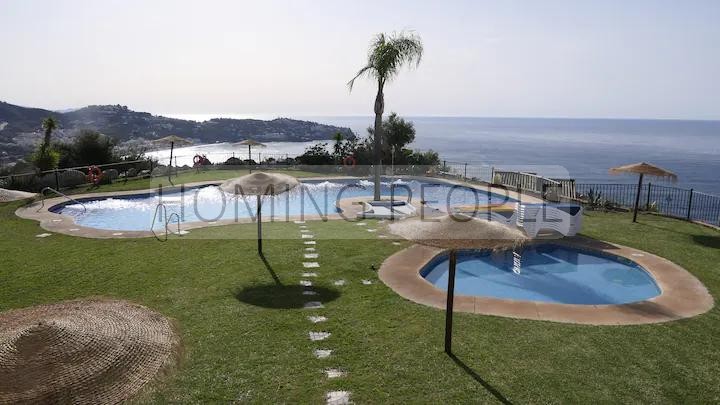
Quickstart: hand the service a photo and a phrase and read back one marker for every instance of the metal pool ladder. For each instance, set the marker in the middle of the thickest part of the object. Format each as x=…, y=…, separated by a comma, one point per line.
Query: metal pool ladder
x=161, y=214
x=42, y=202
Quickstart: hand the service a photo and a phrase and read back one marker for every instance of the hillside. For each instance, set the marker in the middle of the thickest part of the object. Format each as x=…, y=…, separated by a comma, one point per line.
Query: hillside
x=20, y=127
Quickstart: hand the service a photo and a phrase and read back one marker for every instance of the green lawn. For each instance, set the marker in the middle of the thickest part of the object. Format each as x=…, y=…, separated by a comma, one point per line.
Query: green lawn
x=246, y=339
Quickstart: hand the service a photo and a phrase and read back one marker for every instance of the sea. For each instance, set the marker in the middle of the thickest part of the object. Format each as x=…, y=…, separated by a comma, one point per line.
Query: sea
x=582, y=149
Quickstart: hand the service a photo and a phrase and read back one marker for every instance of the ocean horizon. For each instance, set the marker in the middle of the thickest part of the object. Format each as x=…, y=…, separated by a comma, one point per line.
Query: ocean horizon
x=579, y=148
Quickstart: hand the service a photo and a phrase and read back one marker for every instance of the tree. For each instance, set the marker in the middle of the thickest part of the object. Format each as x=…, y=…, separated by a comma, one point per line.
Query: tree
x=387, y=54
x=45, y=158
x=397, y=133
x=88, y=148
x=338, y=147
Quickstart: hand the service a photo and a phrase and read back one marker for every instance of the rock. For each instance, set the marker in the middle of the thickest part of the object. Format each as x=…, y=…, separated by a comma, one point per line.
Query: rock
x=111, y=174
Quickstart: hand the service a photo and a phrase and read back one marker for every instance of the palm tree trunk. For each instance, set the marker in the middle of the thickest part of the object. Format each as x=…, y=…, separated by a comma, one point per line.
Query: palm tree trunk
x=379, y=108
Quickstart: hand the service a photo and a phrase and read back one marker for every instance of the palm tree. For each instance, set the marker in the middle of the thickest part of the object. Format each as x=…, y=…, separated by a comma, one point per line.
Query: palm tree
x=49, y=125
x=337, y=147
x=388, y=53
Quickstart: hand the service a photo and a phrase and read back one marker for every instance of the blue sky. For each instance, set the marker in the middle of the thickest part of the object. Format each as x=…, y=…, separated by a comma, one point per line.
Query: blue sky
x=635, y=59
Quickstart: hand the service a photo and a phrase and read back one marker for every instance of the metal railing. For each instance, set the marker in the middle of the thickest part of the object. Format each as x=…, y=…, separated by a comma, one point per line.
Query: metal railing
x=161, y=213
x=669, y=201
x=43, y=192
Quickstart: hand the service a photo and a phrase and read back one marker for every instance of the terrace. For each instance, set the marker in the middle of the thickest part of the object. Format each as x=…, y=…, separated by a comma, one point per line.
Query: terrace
x=245, y=333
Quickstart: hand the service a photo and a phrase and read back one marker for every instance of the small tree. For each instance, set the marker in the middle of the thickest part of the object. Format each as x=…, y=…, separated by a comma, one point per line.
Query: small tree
x=45, y=158
x=88, y=148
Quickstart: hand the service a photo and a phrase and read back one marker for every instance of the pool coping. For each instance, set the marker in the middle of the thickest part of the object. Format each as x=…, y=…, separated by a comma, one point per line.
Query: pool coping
x=682, y=294
x=65, y=224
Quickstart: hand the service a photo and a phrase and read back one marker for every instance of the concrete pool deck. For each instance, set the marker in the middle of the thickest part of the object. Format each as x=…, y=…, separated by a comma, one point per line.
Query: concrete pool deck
x=65, y=224
x=682, y=295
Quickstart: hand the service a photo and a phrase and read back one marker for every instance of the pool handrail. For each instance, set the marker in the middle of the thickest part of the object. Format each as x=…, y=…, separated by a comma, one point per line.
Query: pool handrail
x=42, y=202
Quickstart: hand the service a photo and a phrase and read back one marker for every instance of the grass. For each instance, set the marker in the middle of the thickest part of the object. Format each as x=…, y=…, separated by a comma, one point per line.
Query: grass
x=246, y=339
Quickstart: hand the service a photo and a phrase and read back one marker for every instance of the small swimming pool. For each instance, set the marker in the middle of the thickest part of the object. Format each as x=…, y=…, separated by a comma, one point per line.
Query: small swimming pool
x=545, y=273
x=210, y=204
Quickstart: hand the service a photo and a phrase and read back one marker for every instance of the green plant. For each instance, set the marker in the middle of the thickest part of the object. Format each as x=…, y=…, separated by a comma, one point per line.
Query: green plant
x=388, y=53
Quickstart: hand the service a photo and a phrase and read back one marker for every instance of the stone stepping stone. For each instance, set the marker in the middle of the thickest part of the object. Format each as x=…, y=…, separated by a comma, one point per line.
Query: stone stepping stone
x=310, y=242
x=339, y=282
x=306, y=283
x=361, y=224
x=311, y=265
x=371, y=230
x=309, y=274
x=309, y=292
x=316, y=319
x=311, y=255
x=367, y=282
x=396, y=243
x=307, y=236
x=304, y=231
x=335, y=373
x=299, y=222
x=322, y=353
x=382, y=236
x=43, y=235
x=183, y=232
x=310, y=249
x=317, y=336
x=313, y=305
x=303, y=226
x=337, y=398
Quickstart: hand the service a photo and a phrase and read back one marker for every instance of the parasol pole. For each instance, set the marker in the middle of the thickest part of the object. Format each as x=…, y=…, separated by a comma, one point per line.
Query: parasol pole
x=637, y=198
x=450, y=300
x=259, y=221
x=172, y=145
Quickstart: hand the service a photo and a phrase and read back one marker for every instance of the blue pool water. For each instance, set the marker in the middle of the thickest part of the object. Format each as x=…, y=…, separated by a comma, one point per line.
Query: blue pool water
x=209, y=204
x=546, y=273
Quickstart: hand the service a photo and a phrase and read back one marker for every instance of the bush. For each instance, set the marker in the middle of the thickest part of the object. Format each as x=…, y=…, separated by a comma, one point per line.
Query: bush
x=46, y=159
x=111, y=174
x=233, y=161
x=88, y=148
x=72, y=178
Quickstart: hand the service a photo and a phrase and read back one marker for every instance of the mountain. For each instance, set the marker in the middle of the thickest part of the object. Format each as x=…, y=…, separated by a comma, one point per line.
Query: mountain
x=20, y=127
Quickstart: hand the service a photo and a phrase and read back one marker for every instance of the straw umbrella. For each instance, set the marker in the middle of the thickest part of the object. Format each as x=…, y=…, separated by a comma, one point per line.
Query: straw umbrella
x=172, y=140
x=457, y=232
x=250, y=143
x=642, y=169
x=260, y=184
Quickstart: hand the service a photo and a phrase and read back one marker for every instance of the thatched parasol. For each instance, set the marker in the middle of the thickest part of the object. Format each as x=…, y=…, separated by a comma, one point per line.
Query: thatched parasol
x=84, y=351
x=260, y=184
x=457, y=232
x=250, y=143
x=643, y=169
x=172, y=140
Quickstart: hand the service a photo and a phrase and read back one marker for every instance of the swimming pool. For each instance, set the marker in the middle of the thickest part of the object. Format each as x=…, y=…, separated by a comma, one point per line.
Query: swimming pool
x=210, y=204
x=546, y=273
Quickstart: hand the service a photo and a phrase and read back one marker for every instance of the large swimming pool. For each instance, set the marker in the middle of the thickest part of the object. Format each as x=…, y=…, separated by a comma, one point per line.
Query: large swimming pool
x=546, y=273
x=210, y=204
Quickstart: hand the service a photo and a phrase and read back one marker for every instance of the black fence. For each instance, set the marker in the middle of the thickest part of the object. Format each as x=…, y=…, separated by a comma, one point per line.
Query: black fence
x=670, y=201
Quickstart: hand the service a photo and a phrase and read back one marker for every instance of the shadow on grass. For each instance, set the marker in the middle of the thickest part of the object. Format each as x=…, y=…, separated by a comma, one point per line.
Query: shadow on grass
x=283, y=296
x=492, y=390
x=707, y=240
x=270, y=269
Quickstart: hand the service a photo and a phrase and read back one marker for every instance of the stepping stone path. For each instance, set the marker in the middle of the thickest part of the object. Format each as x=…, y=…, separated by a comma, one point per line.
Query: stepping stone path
x=43, y=235
x=334, y=373
x=316, y=336
x=367, y=282
x=322, y=353
x=396, y=243
x=372, y=230
x=361, y=224
x=310, y=252
x=338, y=398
